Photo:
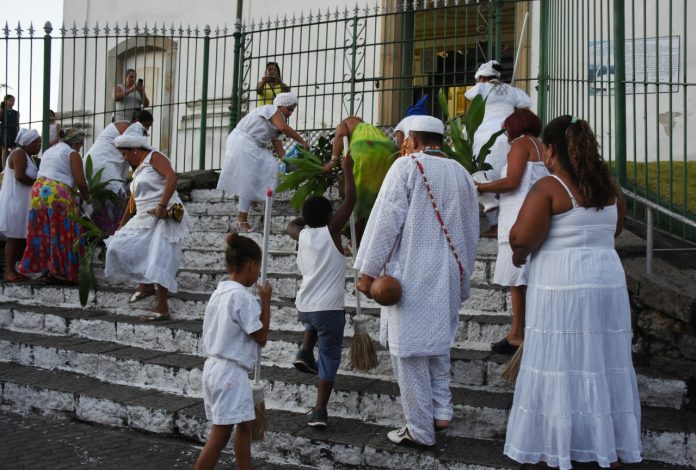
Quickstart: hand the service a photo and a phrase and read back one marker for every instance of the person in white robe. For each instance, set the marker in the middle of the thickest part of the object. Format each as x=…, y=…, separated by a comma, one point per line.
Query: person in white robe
x=249, y=168
x=433, y=261
x=501, y=101
x=147, y=247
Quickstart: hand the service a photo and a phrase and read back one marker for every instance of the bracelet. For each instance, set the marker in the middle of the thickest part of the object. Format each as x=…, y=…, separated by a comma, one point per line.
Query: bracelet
x=335, y=159
x=162, y=205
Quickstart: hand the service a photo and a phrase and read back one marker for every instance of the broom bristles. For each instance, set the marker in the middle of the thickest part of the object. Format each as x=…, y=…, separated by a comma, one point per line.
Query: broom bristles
x=363, y=355
x=258, y=432
x=512, y=368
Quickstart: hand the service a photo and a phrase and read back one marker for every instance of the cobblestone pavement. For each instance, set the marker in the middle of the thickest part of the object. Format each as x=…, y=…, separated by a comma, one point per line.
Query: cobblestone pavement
x=31, y=442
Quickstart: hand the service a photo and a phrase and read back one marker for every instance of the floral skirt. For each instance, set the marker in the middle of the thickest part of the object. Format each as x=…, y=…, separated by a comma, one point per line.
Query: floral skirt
x=51, y=235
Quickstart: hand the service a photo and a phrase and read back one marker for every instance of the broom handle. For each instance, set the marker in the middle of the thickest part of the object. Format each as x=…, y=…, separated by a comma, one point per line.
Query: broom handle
x=353, y=242
x=519, y=49
x=264, y=265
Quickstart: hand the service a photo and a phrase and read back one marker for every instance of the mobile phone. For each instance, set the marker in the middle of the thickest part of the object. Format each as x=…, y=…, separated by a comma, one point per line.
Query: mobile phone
x=271, y=78
x=140, y=81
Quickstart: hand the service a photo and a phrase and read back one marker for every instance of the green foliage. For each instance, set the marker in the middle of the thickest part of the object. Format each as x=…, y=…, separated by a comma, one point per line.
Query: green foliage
x=462, y=135
x=91, y=233
x=307, y=177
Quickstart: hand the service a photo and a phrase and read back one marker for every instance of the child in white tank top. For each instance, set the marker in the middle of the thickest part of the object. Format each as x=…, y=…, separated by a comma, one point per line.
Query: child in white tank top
x=320, y=299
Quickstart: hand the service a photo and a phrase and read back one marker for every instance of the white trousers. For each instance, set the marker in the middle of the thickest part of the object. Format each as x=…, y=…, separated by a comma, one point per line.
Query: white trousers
x=425, y=394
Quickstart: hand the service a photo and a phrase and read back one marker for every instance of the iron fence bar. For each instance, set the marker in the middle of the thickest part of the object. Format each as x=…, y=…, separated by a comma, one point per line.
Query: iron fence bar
x=236, y=62
x=620, y=90
x=46, y=84
x=204, y=98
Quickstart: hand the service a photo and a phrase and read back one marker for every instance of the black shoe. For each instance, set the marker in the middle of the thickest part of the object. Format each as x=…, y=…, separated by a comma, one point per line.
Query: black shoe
x=304, y=362
x=504, y=347
x=318, y=418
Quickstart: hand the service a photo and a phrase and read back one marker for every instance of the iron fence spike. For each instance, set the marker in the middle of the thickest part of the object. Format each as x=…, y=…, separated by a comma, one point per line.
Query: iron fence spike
x=31, y=29
x=96, y=28
x=62, y=29
x=136, y=28
x=85, y=29
x=19, y=30
x=106, y=28
x=6, y=29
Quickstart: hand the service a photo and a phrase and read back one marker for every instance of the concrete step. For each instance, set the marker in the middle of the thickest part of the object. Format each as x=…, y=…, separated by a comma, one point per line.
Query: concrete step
x=473, y=365
x=216, y=240
x=346, y=442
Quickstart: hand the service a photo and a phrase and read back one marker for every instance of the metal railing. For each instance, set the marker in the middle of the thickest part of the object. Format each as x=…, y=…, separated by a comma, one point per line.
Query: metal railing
x=650, y=208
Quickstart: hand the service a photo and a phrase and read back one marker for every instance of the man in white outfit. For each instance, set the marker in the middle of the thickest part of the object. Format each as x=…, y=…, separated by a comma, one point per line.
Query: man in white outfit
x=432, y=256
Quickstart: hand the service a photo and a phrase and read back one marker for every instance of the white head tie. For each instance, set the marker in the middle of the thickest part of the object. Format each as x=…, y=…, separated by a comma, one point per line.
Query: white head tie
x=133, y=137
x=285, y=99
x=426, y=124
x=487, y=70
x=26, y=136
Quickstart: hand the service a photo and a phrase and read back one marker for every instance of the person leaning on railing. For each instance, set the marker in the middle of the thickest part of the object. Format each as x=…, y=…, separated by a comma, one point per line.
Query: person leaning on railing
x=15, y=194
x=249, y=168
x=9, y=126
x=51, y=234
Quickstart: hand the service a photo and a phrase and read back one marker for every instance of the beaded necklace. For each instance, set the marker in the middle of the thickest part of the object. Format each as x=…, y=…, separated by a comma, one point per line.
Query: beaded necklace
x=438, y=214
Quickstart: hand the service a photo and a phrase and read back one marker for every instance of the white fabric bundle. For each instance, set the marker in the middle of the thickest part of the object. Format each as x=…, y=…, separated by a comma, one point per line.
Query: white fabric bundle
x=487, y=70
x=285, y=99
x=26, y=136
x=134, y=137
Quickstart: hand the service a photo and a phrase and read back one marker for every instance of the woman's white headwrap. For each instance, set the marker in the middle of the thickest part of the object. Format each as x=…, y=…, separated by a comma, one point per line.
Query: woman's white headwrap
x=134, y=137
x=487, y=70
x=285, y=99
x=26, y=136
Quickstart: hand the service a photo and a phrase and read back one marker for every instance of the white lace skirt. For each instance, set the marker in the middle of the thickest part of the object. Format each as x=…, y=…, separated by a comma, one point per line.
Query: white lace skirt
x=147, y=250
x=576, y=396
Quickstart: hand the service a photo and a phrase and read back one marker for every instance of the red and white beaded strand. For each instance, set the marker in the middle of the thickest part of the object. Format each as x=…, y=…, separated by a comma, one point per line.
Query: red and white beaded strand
x=438, y=215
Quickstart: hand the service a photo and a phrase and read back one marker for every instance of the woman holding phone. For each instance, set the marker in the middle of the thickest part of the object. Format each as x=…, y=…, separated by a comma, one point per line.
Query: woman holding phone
x=271, y=84
x=129, y=98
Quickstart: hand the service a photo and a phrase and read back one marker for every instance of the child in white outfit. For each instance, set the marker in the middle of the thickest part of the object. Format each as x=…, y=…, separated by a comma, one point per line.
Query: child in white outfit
x=233, y=327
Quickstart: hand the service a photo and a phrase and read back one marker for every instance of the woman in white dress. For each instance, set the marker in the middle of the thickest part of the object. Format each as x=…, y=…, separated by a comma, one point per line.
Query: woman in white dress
x=501, y=101
x=576, y=397
x=106, y=157
x=15, y=196
x=523, y=168
x=249, y=168
x=147, y=247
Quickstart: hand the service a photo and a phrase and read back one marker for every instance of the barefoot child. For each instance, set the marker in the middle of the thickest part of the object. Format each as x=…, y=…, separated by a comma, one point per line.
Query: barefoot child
x=320, y=299
x=233, y=327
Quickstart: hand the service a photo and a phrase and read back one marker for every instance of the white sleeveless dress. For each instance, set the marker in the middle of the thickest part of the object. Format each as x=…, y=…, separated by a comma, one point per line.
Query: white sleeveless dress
x=576, y=396
x=147, y=249
x=506, y=273
x=249, y=168
x=15, y=199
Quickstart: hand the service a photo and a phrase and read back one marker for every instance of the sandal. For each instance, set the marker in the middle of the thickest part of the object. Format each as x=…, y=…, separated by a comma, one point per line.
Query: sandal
x=244, y=227
x=155, y=316
x=14, y=277
x=140, y=295
x=504, y=347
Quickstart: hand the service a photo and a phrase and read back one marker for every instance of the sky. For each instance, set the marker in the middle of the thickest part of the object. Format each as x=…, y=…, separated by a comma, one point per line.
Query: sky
x=15, y=70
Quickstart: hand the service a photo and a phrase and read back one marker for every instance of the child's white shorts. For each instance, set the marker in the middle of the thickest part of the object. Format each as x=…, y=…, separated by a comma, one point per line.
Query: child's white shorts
x=227, y=392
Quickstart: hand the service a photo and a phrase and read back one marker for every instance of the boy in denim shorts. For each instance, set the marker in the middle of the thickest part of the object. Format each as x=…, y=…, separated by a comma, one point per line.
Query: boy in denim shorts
x=320, y=299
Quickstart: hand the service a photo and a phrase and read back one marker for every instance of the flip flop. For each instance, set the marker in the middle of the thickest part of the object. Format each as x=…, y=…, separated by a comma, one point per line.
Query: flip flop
x=15, y=278
x=139, y=295
x=242, y=229
x=504, y=347
x=155, y=317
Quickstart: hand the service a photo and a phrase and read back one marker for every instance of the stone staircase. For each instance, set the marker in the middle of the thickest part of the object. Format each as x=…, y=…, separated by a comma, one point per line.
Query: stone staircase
x=103, y=365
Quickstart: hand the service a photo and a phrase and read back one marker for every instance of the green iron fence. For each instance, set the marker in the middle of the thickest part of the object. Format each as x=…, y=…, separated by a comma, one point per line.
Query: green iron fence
x=620, y=64
x=624, y=65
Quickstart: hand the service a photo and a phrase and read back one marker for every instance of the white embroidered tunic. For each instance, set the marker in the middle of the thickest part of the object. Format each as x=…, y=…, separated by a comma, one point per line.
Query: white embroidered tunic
x=404, y=238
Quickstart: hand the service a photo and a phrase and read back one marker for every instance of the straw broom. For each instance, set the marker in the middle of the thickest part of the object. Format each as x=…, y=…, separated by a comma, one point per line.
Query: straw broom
x=363, y=355
x=258, y=387
x=512, y=367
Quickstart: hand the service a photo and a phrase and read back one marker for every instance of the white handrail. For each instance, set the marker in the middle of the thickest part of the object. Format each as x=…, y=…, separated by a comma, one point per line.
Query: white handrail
x=651, y=206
